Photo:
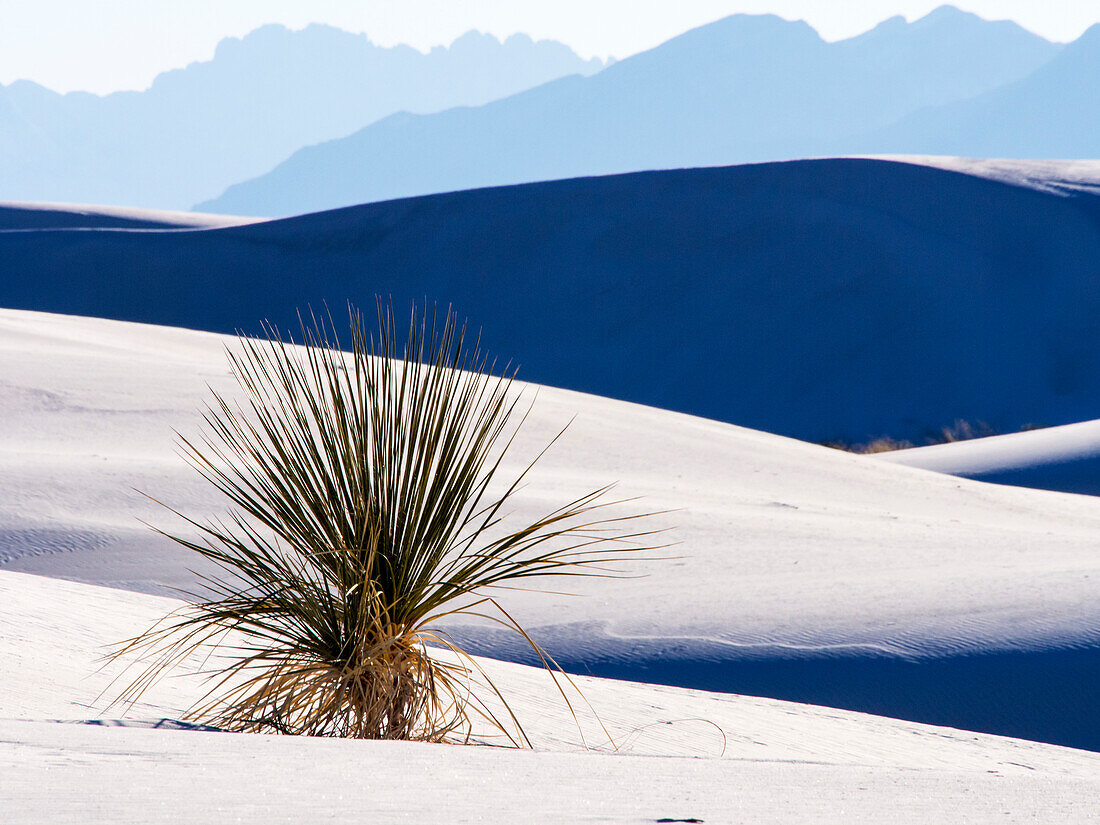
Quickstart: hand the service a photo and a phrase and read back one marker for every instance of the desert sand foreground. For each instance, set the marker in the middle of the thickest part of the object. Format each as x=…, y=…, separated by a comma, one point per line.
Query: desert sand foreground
x=787, y=555
x=682, y=754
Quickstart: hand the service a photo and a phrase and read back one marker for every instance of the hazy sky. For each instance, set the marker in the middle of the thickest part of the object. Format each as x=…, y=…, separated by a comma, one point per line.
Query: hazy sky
x=106, y=45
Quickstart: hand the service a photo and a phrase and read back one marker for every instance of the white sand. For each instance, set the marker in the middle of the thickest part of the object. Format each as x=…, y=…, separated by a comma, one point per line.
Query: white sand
x=682, y=753
x=781, y=545
x=1065, y=458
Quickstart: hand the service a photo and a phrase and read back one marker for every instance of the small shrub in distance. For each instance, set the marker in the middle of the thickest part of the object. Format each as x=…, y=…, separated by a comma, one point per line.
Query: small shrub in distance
x=882, y=444
x=366, y=506
x=961, y=431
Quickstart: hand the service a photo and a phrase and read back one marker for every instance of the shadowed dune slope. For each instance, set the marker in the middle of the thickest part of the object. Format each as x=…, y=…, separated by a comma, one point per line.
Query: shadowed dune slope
x=829, y=299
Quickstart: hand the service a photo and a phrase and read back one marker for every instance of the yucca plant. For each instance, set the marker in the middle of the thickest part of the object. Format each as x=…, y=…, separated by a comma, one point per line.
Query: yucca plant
x=367, y=505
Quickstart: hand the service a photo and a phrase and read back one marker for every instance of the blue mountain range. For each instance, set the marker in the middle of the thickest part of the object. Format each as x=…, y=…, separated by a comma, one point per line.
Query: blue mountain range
x=743, y=89
x=261, y=97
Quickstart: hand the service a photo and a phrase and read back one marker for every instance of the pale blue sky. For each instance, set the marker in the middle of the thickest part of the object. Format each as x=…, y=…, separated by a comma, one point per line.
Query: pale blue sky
x=122, y=44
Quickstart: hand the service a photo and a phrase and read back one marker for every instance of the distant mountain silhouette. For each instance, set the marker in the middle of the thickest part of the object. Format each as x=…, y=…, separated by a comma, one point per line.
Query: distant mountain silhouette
x=746, y=88
x=261, y=97
x=1052, y=113
x=832, y=299
x=946, y=55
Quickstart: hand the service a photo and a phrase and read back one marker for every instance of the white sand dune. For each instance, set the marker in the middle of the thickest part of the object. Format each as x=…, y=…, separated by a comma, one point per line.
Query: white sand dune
x=1056, y=177
x=800, y=572
x=914, y=296
x=722, y=758
x=119, y=776
x=17, y=216
x=1065, y=458
x=785, y=550
x=812, y=547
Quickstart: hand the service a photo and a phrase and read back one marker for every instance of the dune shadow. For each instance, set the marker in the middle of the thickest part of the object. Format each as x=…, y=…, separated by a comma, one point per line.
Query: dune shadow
x=1048, y=696
x=1042, y=694
x=148, y=724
